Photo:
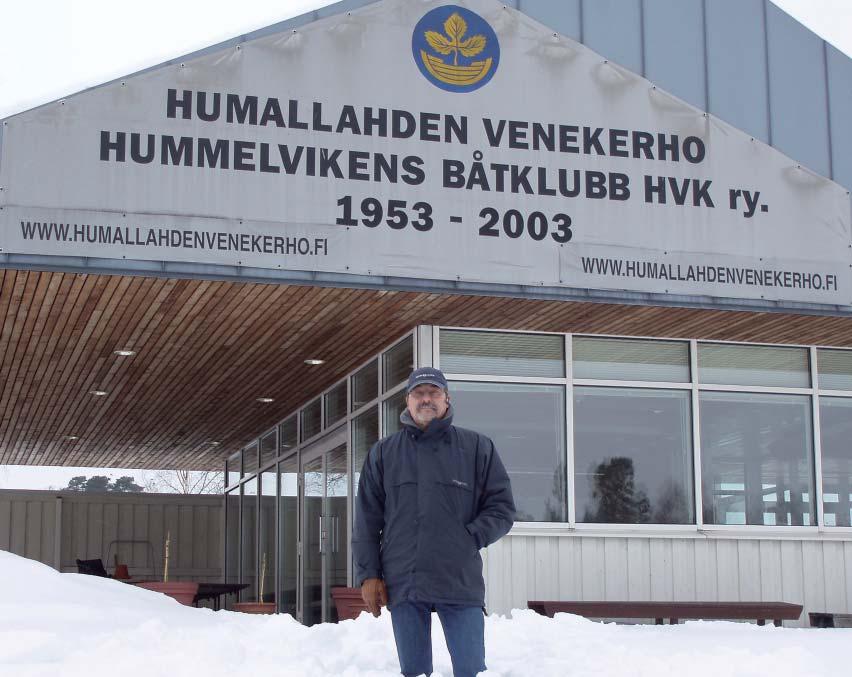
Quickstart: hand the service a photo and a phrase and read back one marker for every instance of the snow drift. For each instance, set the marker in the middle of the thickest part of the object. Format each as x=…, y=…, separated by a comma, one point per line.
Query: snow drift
x=69, y=625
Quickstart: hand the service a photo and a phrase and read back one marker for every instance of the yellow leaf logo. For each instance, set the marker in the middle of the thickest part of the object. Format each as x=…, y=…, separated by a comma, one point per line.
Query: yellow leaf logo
x=453, y=31
x=454, y=42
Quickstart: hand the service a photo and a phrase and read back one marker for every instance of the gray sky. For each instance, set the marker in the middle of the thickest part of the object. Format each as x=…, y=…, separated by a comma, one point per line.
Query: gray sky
x=53, y=48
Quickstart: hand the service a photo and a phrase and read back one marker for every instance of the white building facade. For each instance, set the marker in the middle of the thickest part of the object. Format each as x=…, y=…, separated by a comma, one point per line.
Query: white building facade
x=672, y=176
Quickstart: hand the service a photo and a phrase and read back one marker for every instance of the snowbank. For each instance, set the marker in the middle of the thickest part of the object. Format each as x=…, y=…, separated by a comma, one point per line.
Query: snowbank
x=69, y=625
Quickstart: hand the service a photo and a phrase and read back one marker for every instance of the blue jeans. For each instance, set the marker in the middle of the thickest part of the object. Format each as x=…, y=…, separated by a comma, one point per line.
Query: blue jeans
x=464, y=631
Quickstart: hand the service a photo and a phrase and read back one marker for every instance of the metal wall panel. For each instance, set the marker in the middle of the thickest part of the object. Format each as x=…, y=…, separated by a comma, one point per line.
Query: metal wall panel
x=813, y=568
x=674, y=48
x=26, y=527
x=92, y=522
x=683, y=570
x=736, y=65
x=639, y=568
x=797, y=91
x=840, y=110
x=706, y=570
x=564, y=17
x=616, y=580
x=813, y=571
x=770, y=570
x=613, y=28
x=661, y=569
x=847, y=558
x=834, y=582
x=5, y=524
x=792, y=579
x=750, y=573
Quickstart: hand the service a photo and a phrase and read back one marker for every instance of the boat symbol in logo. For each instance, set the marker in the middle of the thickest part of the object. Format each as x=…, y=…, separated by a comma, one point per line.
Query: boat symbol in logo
x=455, y=49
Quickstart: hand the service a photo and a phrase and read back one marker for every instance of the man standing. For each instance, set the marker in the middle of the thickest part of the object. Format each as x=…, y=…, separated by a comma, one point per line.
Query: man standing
x=429, y=498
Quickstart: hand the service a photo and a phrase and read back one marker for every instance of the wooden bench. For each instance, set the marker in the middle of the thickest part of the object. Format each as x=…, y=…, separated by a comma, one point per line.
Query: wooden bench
x=674, y=611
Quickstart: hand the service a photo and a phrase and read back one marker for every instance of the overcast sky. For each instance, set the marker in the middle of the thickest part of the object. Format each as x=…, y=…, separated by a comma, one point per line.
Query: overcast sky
x=52, y=48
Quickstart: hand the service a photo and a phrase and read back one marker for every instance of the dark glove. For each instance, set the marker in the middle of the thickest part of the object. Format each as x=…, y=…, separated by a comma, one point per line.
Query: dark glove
x=375, y=595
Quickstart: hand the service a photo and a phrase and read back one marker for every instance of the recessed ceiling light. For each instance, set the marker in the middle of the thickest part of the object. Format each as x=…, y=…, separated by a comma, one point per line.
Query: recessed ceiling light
x=215, y=444
x=98, y=393
x=71, y=438
x=314, y=362
x=265, y=400
x=124, y=353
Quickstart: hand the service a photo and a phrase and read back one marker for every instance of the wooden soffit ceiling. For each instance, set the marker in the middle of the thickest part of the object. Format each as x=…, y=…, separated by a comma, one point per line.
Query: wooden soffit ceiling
x=206, y=350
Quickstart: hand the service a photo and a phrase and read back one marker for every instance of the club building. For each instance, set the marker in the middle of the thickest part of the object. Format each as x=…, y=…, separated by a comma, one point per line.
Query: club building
x=620, y=227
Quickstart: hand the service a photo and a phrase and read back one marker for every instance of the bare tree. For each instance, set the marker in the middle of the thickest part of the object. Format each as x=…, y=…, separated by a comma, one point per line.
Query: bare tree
x=184, y=481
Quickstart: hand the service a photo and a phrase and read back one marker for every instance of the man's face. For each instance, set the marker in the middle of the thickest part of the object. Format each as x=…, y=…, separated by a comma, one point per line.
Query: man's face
x=426, y=403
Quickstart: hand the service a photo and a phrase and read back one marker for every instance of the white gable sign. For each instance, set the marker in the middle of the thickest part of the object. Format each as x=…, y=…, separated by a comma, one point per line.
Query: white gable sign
x=421, y=140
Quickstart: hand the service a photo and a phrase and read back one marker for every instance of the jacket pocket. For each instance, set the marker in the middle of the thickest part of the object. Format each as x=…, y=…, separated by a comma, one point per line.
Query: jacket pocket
x=403, y=500
x=456, y=499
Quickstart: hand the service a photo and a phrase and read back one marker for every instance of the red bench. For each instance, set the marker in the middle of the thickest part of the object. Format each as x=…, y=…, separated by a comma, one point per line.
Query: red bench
x=674, y=611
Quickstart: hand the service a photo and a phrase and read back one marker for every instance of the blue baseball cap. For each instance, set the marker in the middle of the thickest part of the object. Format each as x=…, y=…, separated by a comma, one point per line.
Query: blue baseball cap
x=428, y=375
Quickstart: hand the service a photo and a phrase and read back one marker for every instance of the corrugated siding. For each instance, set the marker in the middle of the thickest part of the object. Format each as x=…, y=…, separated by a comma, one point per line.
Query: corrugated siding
x=613, y=28
x=99, y=526
x=564, y=17
x=736, y=65
x=745, y=61
x=797, y=91
x=815, y=573
x=674, y=48
x=840, y=100
x=27, y=525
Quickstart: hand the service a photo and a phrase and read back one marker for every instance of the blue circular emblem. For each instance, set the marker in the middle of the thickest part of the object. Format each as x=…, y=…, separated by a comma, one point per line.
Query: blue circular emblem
x=455, y=49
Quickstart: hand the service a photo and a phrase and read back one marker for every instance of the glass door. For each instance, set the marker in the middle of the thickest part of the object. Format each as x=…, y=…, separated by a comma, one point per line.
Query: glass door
x=288, y=535
x=336, y=515
x=313, y=540
x=325, y=480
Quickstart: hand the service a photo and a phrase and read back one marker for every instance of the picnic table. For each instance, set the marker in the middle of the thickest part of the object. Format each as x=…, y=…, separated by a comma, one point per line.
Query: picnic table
x=215, y=591
x=674, y=611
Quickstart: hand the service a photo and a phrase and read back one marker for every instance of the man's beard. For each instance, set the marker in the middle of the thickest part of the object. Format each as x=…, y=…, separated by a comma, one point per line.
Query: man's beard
x=423, y=410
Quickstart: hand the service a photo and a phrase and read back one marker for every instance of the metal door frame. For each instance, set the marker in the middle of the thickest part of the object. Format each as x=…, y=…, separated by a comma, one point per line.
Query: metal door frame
x=318, y=449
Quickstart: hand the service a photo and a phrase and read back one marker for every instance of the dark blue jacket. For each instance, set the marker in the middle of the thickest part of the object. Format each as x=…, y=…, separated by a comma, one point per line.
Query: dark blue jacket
x=427, y=502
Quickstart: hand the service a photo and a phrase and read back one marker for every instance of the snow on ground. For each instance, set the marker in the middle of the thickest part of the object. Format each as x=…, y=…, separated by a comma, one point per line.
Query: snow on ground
x=68, y=625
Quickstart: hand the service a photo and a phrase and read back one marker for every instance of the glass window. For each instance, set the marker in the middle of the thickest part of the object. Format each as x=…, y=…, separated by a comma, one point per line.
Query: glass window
x=502, y=354
x=250, y=459
x=630, y=359
x=266, y=536
x=835, y=420
x=835, y=369
x=398, y=363
x=268, y=448
x=633, y=456
x=365, y=385
x=311, y=419
x=365, y=433
x=249, y=541
x=233, y=470
x=392, y=408
x=527, y=425
x=335, y=404
x=288, y=536
x=756, y=459
x=232, y=536
x=753, y=365
x=287, y=435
